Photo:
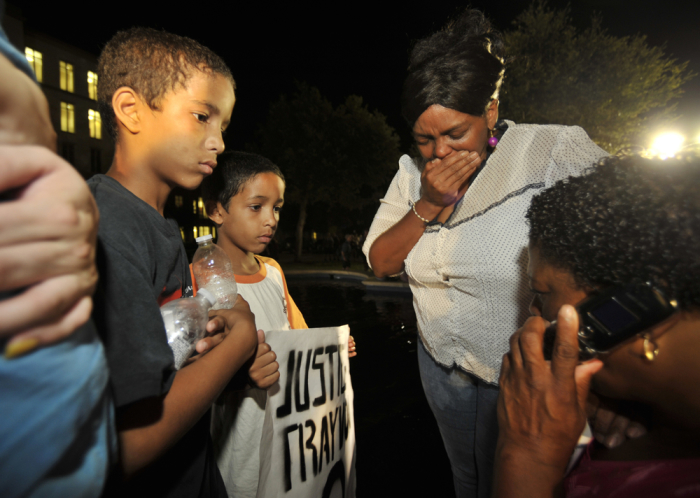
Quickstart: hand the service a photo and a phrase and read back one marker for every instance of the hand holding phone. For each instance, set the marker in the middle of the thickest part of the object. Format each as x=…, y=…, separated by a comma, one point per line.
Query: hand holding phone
x=613, y=315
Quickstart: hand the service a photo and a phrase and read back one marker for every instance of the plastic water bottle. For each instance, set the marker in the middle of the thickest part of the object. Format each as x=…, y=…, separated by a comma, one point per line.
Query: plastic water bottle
x=185, y=322
x=213, y=272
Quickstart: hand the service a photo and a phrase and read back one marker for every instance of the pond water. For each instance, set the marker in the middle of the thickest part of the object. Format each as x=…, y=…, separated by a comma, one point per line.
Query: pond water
x=399, y=449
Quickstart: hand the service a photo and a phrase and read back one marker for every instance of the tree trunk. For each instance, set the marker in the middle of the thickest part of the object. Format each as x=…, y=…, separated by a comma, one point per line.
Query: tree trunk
x=300, y=226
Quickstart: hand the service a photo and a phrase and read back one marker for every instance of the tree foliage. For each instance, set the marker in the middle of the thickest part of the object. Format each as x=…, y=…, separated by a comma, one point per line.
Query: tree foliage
x=341, y=155
x=613, y=87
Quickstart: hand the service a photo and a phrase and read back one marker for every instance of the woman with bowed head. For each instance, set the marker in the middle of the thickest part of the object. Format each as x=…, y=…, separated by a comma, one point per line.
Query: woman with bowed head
x=454, y=220
x=632, y=222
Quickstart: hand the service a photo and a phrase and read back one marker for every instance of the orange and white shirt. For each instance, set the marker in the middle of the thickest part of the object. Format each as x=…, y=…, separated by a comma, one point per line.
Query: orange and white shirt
x=267, y=294
x=238, y=416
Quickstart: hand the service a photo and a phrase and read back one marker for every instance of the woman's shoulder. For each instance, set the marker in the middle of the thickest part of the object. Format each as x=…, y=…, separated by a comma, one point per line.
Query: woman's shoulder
x=562, y=143
x=538, y=131
x=407, y=177
x=408, y=166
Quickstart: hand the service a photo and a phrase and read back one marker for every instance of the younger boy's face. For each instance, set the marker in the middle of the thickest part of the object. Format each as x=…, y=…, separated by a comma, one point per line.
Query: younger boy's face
x=251, y=220
x=184, y=136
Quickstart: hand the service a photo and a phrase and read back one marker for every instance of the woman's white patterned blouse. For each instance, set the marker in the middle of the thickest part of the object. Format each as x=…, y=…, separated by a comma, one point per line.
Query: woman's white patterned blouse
x=468, y=275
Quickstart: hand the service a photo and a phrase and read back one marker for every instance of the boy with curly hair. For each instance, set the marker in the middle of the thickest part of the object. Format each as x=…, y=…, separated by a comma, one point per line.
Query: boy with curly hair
x=166, y=100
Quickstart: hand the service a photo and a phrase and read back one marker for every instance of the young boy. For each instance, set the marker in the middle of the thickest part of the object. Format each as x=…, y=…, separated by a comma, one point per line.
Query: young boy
x=244, y=197
x=166, y=100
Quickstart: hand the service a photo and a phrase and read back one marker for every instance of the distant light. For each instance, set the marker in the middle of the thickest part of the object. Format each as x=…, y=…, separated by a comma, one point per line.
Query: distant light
x=667, y=144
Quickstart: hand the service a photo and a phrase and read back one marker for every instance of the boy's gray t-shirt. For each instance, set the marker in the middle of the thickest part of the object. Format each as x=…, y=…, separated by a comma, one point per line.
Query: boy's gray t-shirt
x=143, y=264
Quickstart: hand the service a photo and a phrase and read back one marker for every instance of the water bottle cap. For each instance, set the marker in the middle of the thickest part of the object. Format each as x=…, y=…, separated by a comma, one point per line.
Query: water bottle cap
x=203, y=238
x=207, y=295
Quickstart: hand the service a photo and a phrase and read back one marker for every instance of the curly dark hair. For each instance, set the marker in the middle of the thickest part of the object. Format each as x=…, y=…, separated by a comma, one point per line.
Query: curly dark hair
x=630, y=220
x=234, y=169
x=152, y=63
x=460, y=67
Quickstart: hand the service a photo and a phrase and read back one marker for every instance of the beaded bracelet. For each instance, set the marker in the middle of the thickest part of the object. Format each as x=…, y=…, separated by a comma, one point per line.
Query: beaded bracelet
x=419, y=216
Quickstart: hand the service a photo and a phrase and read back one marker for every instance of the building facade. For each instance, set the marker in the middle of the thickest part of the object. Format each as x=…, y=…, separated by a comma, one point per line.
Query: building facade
x=68, y=78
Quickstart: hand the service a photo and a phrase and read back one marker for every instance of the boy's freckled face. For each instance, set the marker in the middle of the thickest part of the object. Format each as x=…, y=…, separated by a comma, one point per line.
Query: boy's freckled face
x=184, y=136
x=252, y=215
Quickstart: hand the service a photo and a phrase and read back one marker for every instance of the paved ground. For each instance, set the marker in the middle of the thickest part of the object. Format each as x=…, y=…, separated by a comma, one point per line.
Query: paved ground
x=399, y=449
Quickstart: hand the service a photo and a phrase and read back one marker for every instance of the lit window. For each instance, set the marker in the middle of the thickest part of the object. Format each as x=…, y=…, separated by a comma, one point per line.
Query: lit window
x=194, y=207
x=204, y=231
x=194, y=232
x=92, y=85
x=95, y=122
x=36, y=60
x=178, y=201
x=182, y=233
x=66, y=76
x=67, y=117
x=213, y=232
x=200, y=209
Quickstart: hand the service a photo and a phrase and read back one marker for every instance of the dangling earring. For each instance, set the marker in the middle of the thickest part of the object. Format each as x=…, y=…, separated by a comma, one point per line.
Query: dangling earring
x=651, y=349
x=493, y=140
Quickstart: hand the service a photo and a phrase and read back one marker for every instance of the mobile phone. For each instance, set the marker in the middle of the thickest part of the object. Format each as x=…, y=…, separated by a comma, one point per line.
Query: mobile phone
x=613, y=315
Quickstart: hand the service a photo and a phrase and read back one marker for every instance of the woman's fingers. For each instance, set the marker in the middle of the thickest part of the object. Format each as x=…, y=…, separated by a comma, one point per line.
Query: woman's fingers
x=41, y=304
x=444, y=180
x=50, y=333
x=451, y=172
x=565, y=349
x=526, y=343
x=582, y=376
x=26, y=264
x=565, y=353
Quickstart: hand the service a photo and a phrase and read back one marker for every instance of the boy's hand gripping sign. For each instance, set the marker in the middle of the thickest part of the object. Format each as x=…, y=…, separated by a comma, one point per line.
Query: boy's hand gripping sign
x=308, y=443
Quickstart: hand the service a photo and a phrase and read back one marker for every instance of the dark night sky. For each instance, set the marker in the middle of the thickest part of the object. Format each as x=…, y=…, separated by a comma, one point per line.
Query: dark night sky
x=360, y=49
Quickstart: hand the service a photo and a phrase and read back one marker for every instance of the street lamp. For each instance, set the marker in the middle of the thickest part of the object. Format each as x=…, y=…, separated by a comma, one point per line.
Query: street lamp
x=667, y=144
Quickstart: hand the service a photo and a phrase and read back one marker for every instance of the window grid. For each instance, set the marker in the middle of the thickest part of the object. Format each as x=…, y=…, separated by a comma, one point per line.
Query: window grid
x=66, y=76
x=67, y=117
x=36, y=60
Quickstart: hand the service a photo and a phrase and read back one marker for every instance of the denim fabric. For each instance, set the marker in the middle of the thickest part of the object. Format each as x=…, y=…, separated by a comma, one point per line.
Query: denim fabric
x=57, y=434
x=465, y=409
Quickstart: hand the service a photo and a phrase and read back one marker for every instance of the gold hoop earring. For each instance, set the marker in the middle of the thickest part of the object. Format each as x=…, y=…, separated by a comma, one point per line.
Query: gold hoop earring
x=651, y=349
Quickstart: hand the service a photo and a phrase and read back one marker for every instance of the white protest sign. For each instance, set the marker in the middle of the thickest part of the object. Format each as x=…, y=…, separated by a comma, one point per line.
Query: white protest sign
x=308, y=443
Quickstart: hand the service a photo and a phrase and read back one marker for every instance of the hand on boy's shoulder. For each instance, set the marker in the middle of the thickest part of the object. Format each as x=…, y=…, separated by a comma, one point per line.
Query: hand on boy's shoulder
x=47, y=205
